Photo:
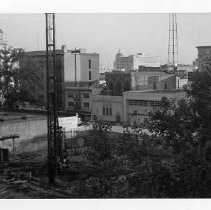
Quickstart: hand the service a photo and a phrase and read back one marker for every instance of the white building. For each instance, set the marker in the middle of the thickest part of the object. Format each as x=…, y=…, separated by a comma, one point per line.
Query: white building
x=140, y=59
x=132, y=62
x=81, y=66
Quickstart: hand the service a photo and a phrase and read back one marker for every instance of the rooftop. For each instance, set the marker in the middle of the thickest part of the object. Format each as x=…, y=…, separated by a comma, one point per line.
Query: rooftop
x=203, y=46
x=157, y=91
x=41, y=53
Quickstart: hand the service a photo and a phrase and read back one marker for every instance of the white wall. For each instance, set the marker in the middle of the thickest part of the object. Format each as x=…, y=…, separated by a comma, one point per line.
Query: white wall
x=82, y=67
x=69, y=67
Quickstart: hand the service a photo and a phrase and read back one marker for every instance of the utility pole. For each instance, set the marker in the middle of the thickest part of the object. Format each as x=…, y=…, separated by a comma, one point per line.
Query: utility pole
x=51, y=93
x=77, y=100
x=75, y=53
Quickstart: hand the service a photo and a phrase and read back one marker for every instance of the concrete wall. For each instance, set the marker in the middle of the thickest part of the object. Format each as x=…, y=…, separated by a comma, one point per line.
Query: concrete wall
x=69, y=67
x=95, y=75
x=82, y=67
x=29, y=131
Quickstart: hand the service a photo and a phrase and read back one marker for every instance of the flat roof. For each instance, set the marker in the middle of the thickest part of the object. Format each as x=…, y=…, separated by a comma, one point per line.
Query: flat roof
x=203, y=46
x=157, y=91
x=40, y=53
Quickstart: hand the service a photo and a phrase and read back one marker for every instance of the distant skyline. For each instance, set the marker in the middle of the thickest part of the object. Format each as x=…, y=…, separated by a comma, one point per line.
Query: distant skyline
x=106, y=33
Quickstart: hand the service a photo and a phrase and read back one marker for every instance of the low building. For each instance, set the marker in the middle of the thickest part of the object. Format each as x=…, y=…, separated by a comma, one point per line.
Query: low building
x=137, y=104
x=152, y=80
x=108, y=108
x=78, y=99
x=132, y=62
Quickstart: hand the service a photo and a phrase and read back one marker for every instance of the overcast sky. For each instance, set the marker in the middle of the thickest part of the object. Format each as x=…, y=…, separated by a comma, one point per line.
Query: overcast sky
x=106, y=33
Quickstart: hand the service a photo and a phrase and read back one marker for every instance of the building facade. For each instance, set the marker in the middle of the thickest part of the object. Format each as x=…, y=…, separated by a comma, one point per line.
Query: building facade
x=132, y=62
x=137, y=104
x=81, y=73
x=108, y=108
x=77, y=74
x=81, y=67
x=79, y=99
x=133, y=107
x=152, y=80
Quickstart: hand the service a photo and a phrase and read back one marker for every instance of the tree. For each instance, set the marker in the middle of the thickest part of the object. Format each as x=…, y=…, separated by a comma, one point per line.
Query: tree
x=200, y=92
x=184, y=126
x=9, y=64
x=17, y=80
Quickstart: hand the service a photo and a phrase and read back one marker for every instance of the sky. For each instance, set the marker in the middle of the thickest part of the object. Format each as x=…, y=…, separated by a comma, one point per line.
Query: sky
x=106, y=33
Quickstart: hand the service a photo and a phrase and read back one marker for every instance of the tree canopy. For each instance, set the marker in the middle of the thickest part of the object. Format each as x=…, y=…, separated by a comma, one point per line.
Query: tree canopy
x=13, y=78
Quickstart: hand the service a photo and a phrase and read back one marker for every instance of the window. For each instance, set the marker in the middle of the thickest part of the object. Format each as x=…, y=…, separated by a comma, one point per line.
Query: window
x=90, y=75
x=107, y=109
x=154, y=86
x=107, y=113
x=70, y=103
x=157, y=103
x=152, y=103
x=165, y=87
x=90, y=65
x=77, y=95
x=70, y=96
x=86, y=95
x=86, y=105
x=137, y=102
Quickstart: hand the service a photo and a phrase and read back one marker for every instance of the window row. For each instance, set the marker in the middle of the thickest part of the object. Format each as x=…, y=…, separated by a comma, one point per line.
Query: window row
x=107, y=109
x=78, y=95
x=144, y=103
x=70, y=103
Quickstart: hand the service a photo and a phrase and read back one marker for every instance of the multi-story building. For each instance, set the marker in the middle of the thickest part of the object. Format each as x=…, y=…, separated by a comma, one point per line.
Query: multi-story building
x=132, y=62
x=204, y=57
x=77, y=74
x=35, y=63
x=81, y=77
x=79, y=99
x=80, y=66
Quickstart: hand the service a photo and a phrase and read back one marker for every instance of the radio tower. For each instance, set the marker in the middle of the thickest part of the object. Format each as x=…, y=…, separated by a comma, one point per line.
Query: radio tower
x=51, y=96
x=172, y=44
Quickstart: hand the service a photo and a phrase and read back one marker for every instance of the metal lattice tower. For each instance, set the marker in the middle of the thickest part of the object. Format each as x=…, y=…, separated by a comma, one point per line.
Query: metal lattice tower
x=173, y=43
x=52, y=119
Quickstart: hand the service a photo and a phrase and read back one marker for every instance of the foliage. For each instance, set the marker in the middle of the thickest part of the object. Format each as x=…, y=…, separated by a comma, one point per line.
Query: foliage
x=9, y=64
x=14, y=79
x=172, y=162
